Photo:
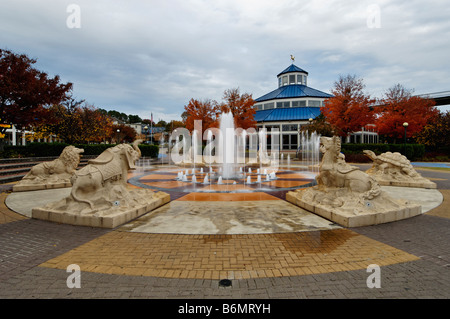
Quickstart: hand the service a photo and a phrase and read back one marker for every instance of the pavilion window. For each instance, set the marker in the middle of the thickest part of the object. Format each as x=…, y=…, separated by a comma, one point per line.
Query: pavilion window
x=281, y=105
x=289, y=141
x=292, y=79
x=268, y=106
x=314, y=103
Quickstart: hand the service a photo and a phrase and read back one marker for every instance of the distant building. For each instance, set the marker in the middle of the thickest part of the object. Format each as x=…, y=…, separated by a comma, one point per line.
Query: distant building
x=289, y=106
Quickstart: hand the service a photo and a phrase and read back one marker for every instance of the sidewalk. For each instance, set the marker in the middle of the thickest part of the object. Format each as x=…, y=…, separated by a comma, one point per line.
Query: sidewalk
x=413, y=255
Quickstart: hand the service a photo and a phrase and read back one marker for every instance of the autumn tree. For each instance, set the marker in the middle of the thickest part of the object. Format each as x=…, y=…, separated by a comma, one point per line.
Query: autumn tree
x=94, y=126
x=399, y=106
x=241, y=106
x=161, y=123
x=436, y=133
x=122, y=133
x=173, y=125
x=350, y=108
x=76, y=122
x=204, y=111
x=320, y=126
x=63, y=120
x=24, y=91
x=148, y=122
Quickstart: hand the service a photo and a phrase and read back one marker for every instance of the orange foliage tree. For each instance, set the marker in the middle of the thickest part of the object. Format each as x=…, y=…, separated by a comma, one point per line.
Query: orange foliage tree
x=350, y=108
x=208, y=111
x=241, y=106
x=204, y=111
x=75, y=122
x=122, y=133
x=399, y=106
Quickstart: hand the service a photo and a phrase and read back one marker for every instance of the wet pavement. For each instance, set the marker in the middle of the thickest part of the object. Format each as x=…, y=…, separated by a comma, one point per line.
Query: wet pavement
x=320, y=261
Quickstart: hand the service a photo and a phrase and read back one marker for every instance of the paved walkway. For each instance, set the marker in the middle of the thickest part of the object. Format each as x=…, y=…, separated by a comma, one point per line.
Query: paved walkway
x=328, y=263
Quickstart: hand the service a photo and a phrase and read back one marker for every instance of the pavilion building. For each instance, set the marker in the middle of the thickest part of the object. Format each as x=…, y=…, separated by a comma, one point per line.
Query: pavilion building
x=288, y=107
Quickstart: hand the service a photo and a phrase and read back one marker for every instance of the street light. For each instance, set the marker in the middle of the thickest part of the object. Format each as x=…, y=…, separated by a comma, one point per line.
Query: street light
x=146, y=132
x=405, y=125
x=118, y=131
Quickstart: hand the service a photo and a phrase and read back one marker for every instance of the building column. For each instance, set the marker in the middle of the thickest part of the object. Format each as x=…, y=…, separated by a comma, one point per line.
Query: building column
x=13, y=135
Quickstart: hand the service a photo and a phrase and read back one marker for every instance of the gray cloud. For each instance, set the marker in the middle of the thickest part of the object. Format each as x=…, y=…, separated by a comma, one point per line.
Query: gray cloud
x=141, y=57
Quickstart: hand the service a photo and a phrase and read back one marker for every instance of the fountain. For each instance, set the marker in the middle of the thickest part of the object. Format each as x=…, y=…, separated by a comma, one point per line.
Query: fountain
x=309, y=150
x=160, y=153
x=227, y=145
x=209, y=139
x=230, y=160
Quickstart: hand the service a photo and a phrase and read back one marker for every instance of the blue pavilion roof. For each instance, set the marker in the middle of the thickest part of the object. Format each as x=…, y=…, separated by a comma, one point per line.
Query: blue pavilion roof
x=287, y=114
x=292, y=68
x=292, y=91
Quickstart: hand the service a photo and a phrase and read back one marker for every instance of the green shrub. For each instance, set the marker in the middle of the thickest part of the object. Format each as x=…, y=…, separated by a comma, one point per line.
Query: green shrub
x=149, y=150
x=411, y=151
x=55, y=149
x=94, y=149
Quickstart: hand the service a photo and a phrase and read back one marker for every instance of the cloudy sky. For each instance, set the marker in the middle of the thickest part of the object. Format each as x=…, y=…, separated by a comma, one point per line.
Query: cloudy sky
x=143, y=57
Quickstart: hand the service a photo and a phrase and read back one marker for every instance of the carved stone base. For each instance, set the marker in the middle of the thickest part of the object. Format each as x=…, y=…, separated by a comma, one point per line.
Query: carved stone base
x=110, y=217
x=36, y=187
x=351, y=210
x=420, y=183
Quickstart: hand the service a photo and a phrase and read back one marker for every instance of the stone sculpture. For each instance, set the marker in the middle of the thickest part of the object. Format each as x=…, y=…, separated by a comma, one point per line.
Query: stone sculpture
x=334, y=172
x=100, y=196
x=394, y=169
x=53, y=174
x=348, y=196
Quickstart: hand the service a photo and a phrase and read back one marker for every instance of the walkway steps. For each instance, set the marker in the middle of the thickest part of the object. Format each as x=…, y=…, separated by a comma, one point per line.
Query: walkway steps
x=14, y=169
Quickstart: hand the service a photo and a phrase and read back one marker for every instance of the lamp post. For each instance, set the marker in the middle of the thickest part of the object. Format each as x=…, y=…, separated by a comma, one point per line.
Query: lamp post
x=118, y=132
x=405, y=125
x=146, y=132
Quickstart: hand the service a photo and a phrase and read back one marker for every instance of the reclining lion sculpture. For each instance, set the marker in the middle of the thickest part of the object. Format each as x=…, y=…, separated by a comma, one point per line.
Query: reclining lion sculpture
x=52, y=174
x=100, y=196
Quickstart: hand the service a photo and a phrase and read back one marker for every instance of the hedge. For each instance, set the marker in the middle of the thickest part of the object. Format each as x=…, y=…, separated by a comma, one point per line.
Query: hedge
x=55, y=149
x=411, y=151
